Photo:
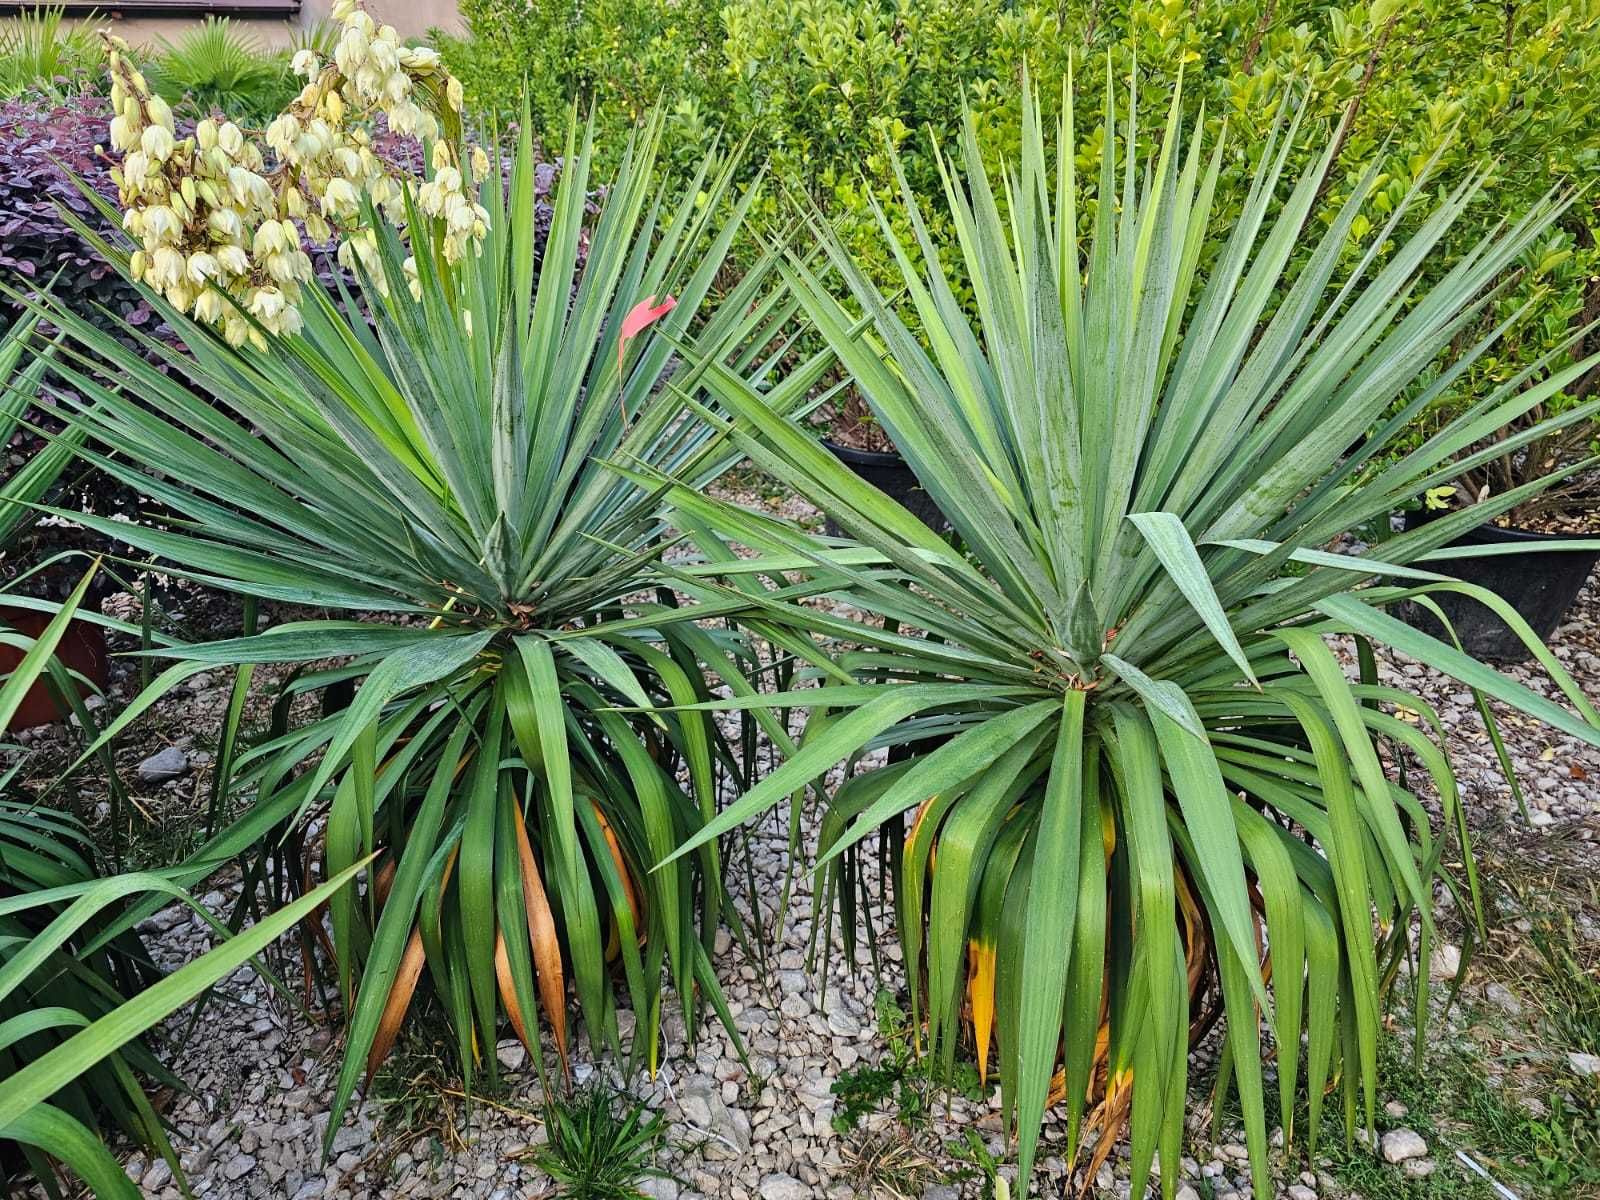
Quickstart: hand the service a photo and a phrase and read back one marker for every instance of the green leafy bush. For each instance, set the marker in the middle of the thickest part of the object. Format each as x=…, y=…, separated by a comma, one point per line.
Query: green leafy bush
x=620, y=56
x=821, y=86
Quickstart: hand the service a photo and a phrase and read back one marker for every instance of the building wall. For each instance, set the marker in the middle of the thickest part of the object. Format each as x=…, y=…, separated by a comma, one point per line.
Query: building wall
x=413, y=18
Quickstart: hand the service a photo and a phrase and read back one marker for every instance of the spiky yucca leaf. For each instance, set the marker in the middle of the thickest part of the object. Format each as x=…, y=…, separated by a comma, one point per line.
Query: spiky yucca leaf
x=49, y=989
x=78, y=994
x=78, y=989
x=1122, y=713
x=440, y=468
x=19, y=385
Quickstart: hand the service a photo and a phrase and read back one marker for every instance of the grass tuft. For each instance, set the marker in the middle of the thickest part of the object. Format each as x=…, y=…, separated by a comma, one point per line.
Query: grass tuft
x=602, y=1145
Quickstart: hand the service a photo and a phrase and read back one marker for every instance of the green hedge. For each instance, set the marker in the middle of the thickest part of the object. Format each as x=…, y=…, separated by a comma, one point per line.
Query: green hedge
x=818, y=86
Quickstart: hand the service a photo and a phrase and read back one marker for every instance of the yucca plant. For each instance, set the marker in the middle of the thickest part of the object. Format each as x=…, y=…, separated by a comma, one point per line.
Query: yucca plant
x=509, y=751
x=69, y=1039
x=1140, y=788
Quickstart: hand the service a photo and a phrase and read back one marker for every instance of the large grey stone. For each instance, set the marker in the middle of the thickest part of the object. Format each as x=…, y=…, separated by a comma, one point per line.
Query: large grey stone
x=158, y=1176
x=513, y=1055
x=702, y=1107
x=1444, y=962
x=163, y=765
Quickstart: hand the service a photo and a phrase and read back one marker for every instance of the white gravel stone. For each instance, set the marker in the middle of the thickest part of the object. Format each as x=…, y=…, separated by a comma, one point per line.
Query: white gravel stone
x=781, y=1186
x=1398, y=1145
x=1584, y=1065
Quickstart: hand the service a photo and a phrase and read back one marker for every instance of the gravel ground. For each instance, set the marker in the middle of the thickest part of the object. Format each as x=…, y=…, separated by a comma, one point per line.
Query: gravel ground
x=262, y=1073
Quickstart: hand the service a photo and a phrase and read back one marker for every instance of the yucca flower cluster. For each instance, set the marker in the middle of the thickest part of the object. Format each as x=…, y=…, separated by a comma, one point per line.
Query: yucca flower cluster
x=222, y=217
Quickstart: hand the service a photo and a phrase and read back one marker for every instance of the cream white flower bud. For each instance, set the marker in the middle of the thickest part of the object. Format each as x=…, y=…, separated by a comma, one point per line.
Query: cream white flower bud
x=135, y=170
x=160, y=222
x=166, y=267
x=233, y=259
x=231, y=138
x=209, y=306
x=225, y=223
x=340, y=198
x=124, y=135
x=382, y=53
x=282, y=133
x=240, y=183
x=202, y=267
x=267, y=241
x=267, y=302
x=157, y=142
x=160, y=112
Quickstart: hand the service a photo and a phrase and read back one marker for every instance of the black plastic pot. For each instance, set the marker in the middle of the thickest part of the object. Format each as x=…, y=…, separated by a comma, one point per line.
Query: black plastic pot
x=890, y=475
x=1540, y=583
